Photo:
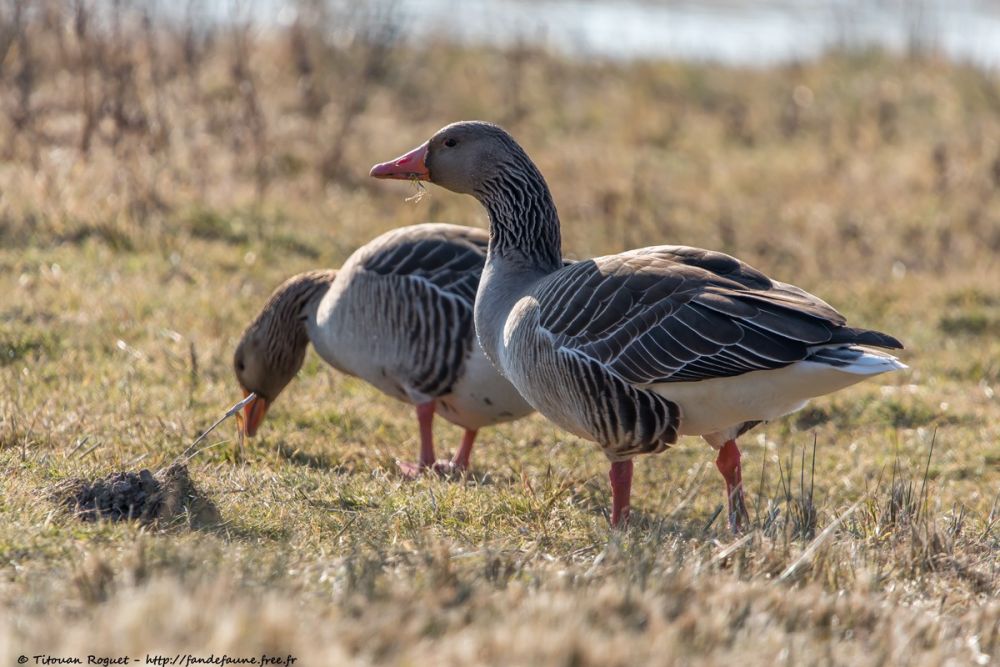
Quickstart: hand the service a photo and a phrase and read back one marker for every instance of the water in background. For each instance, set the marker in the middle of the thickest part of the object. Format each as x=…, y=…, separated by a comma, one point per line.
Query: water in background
x=745, y=32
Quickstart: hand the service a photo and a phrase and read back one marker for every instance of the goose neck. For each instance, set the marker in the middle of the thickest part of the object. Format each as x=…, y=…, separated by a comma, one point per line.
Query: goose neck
x=294, y=307
x=524, y=223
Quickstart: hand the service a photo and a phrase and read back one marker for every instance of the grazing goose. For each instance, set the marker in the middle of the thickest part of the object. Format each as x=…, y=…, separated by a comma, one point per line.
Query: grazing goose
x=397, y=315
x=635, y=349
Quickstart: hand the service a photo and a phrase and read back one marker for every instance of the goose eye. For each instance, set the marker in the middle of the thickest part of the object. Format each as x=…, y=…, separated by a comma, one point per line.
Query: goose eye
x=450, y=143
x=240, y=367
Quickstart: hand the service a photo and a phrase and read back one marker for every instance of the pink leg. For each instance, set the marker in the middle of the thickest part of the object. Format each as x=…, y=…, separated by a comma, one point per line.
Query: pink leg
x=621, y=491
x=461, y=460
x=728, y=463
x=425, y=417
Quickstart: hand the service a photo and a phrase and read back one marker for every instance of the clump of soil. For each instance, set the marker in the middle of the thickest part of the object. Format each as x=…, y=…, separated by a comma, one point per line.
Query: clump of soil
x=119, y=496
x=141, y=496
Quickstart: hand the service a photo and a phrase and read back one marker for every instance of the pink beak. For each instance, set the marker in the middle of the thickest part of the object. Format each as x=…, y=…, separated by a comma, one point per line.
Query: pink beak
x=405, y=167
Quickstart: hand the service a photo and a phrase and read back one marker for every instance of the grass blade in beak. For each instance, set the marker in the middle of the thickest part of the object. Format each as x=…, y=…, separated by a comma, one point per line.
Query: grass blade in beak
x=235, y=410
x=421, y=190
x=241, y=430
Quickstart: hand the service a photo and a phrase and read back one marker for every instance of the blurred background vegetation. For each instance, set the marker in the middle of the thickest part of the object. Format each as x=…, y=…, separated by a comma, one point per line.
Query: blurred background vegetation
x=136, y=128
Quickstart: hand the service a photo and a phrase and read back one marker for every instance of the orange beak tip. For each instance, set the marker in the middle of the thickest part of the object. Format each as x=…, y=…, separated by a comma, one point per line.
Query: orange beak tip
x=253, y=415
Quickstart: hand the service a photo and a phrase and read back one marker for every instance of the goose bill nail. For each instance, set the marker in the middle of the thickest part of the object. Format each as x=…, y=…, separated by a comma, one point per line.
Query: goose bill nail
x=405, y=167
x=254, y=414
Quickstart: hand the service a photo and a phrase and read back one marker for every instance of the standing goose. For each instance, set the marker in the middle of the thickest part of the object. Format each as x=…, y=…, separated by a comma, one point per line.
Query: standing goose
x=397, y=315
x=635, y=349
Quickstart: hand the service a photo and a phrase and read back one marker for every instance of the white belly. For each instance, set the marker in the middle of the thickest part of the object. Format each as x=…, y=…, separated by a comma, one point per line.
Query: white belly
x=710, y=406
x=481, y=397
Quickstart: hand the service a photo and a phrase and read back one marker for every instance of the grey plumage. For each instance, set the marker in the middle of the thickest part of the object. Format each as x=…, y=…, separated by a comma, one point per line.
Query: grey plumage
x=400, y=316
x=677, y=314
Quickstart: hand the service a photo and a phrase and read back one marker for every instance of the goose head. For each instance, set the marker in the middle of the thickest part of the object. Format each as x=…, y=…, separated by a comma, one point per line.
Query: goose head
x=273, y=347
x=460, y=157
x=480, y=159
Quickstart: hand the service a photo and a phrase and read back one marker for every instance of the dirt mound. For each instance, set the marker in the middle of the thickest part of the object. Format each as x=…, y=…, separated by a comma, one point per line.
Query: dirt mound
x=142, y=496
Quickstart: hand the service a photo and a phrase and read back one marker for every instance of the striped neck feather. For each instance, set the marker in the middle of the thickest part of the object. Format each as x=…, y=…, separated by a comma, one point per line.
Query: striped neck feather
x=524, y=222
x=282, y=322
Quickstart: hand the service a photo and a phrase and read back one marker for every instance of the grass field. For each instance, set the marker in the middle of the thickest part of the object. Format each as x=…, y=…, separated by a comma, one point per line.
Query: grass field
x=157, y=183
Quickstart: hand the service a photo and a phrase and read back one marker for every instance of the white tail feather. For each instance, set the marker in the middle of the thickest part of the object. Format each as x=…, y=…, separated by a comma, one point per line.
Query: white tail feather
x=856, y=360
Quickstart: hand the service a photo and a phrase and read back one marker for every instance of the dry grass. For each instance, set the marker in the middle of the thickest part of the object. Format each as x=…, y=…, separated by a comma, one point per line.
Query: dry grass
x=158, y=181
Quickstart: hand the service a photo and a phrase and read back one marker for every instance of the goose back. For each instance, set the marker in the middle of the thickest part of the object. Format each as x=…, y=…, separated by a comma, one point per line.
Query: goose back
x=680, y=314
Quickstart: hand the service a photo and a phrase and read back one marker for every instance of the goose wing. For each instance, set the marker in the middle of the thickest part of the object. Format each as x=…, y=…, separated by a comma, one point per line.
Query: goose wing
x=448, y=258
x=427, y=278
x=680, y=314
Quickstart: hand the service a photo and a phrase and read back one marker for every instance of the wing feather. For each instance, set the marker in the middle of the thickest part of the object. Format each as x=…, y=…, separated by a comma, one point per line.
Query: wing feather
x=677, y=314
x=437, y=268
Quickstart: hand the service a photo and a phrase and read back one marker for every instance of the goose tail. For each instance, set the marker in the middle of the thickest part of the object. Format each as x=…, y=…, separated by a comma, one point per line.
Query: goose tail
x=856, y=360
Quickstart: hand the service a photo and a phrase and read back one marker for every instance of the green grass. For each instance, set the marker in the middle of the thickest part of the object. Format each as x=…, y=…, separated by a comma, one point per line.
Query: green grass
x=128, y=274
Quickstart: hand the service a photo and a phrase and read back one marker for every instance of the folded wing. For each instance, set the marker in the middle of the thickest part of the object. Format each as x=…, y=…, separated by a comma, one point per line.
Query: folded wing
x=680, y=314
